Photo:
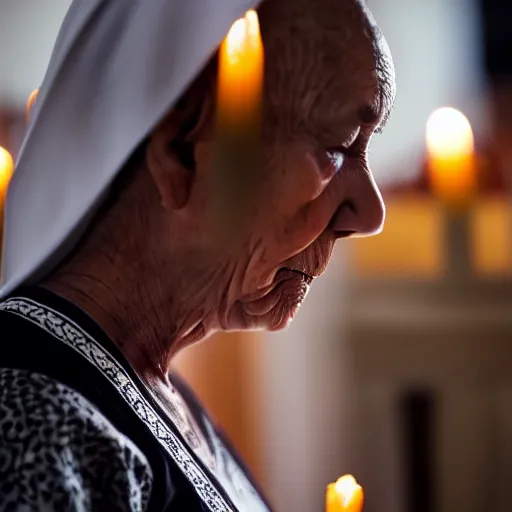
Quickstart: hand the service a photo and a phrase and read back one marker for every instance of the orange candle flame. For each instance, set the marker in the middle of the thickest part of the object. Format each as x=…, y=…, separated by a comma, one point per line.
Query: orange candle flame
x=239, y=117
x=240, y=78
x=346, y=495
x=6, y=170
x=451, y=159
x=30, y=103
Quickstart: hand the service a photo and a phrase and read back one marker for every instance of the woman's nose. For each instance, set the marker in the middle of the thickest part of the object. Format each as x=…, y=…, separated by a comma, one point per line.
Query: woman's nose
x=362, y=212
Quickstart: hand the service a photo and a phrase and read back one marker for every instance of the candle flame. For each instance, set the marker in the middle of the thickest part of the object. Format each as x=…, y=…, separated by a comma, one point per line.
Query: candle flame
x=449, y=133
x=240, y=81
x=451, y=159
x=346, y=495
x=253, y=27
x=30, y=102
x=235, y=40
x=243, y=36
x=6, y=170
x=347, y=487
x=241, y=63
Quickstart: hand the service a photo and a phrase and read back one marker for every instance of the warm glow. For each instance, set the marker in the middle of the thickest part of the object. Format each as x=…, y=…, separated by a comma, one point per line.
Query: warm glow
x=235, y=41
x=449, y=133
x=6, y=170
x=30, y=102
x=346, y=495
x=346, y=487
x=240, y=76
x=450, y=147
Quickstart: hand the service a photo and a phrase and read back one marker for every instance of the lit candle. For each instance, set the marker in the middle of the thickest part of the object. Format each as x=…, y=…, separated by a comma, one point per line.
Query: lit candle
x=240, y=76
x=451, y=162
x=346, y=495
x=239, y=112
x=30, y=103
x=453, y=178
x=6, y=170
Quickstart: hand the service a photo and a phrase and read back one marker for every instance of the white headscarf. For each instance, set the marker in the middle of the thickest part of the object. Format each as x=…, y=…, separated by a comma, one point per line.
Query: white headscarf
x=117, y=67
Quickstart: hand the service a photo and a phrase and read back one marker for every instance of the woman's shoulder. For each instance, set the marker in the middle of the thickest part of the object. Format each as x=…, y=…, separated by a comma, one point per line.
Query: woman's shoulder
x=61, y=453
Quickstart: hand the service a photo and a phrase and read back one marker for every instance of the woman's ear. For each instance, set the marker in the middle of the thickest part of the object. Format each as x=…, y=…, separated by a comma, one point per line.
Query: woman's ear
x=170, y=156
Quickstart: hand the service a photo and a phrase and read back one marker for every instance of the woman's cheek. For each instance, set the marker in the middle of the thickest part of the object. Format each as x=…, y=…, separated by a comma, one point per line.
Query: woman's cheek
x=304, y=228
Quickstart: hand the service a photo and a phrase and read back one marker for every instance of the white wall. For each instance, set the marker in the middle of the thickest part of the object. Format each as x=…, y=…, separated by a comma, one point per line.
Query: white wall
x=28, y=29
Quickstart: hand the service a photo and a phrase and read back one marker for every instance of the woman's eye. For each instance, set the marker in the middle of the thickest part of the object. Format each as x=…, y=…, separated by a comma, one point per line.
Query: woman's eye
x=336, y=159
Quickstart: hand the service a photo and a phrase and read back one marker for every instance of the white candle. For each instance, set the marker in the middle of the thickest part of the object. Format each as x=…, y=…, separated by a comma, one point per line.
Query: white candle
x=452, y=173
x=239, y=111
x=6, y=170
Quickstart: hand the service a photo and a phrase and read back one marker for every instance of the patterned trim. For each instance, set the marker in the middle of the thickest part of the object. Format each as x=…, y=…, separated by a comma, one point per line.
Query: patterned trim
x=75, y=337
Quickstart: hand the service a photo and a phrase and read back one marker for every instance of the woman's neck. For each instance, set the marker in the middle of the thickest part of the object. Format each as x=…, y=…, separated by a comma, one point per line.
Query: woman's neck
x=147, y=321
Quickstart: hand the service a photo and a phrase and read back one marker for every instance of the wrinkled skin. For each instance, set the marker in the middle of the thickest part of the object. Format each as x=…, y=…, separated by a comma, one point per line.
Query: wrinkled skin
x=170, y=280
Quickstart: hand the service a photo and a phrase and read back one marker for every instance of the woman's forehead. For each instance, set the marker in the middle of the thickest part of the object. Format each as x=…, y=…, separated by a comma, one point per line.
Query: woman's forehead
x=359, y=90
x=335, y=70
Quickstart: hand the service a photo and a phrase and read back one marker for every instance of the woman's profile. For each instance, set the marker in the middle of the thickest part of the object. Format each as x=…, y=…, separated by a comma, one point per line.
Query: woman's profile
x=112, y=263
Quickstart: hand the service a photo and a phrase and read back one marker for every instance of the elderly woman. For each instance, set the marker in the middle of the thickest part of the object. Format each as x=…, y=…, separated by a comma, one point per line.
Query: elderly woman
x=112, y=263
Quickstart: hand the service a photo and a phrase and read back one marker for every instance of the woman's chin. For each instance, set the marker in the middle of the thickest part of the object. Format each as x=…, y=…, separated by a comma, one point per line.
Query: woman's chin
x=274, y=312
x=280, y=321
x=271, y=321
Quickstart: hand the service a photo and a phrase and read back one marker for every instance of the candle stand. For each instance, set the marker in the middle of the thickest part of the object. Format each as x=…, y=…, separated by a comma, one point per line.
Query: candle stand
x=456, y=239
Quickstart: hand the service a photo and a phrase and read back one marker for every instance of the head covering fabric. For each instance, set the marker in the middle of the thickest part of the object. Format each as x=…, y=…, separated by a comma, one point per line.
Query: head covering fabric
x=117, y=67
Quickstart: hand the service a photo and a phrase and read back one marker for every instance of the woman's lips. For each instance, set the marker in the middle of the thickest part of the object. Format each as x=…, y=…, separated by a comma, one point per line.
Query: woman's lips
x=307, y=277
x=288, y=283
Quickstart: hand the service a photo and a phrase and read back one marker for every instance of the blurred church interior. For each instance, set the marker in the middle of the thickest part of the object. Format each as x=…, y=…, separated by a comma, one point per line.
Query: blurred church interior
x=398, y=368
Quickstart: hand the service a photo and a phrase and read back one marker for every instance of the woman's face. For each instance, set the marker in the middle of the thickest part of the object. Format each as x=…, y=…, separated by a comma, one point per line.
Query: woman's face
x=314, y=186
